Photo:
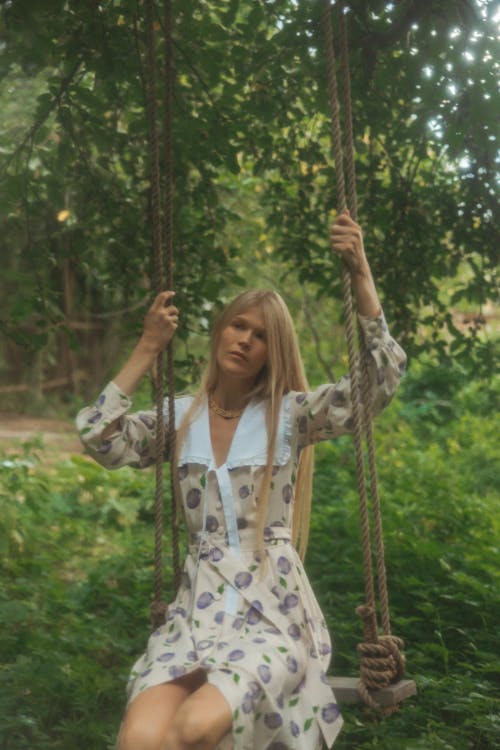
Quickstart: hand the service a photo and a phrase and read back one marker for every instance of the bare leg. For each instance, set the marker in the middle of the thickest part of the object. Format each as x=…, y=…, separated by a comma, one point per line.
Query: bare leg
x=150, y=715
x=200, y=722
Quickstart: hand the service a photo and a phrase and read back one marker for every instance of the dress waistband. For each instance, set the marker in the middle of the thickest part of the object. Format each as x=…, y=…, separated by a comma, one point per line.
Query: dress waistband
x=204, y=541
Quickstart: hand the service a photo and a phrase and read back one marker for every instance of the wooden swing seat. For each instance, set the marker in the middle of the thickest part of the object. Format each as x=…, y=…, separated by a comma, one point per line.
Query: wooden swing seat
x=346, y=691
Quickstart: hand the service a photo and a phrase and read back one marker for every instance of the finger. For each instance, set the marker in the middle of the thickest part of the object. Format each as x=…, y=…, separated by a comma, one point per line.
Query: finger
x=343, y=248
x=345, y=220
x=343, y=231
x=168, y=297
x=346, y=236
x=171, y=310
x=162, y=299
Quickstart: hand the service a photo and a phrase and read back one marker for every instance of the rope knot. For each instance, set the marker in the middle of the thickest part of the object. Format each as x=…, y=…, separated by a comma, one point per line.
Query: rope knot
x=382, y=661
x=382, y=664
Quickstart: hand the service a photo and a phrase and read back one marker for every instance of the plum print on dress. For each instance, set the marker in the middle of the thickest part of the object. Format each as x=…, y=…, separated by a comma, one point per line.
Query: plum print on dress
x=205, y=600
x=284, y=566
x=264, y=673
x=243, y=579
x=193, y=498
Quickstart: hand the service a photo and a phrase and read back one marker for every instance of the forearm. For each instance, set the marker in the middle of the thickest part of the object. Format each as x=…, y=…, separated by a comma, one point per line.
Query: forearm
x=160, y=325
x=365, y=292
x=98, y=425
x=127, y=380
x=137, y=365
x=347, y=242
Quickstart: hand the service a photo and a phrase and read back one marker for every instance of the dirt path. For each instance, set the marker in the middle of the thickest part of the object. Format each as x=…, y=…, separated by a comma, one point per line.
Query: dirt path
x=58, y=436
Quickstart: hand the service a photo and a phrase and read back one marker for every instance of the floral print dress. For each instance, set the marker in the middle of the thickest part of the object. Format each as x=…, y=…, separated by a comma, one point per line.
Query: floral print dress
x=255, y=630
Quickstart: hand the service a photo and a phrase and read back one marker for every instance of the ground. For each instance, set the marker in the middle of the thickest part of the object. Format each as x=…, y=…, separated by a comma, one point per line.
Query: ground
x=58, y=436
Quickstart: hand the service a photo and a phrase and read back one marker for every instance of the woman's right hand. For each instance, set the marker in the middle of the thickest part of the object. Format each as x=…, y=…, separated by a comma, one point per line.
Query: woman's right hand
x=160, y=323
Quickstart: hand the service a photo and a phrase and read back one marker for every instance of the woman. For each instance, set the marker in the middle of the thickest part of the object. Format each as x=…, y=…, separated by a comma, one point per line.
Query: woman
x=242, y=657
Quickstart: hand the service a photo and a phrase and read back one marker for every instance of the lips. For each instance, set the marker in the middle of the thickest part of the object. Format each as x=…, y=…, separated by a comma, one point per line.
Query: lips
x=240, y=355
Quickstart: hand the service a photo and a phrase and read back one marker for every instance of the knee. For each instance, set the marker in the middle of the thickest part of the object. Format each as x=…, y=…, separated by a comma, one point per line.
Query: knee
x=135, y=735
x=189, y=729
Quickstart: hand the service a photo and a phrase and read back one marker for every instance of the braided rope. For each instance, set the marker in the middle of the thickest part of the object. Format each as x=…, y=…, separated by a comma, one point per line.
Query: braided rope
x=348, y=310
x=157, y=607
x=352, y=197
x=383, y=594
x=382, y=661
x=169, y=256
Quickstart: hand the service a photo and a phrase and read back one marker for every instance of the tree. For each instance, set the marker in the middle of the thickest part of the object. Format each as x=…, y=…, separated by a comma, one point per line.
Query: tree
x=250, y=100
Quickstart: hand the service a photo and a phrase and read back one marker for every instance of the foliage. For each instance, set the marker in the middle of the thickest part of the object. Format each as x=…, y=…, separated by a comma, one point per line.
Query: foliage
x=250, y=103
x=76, y=577
x=439, y=488
x=74, y=604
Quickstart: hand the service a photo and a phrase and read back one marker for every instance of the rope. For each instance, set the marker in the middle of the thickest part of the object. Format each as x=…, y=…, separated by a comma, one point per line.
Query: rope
x=157, y=607
x=366, y=394
x=162, y=280
x=352, y=198
x=169, y=255
x=348, y=310
x=382, y=662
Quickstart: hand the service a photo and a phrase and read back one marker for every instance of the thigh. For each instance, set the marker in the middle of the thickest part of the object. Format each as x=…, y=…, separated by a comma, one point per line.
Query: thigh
x=150, y=715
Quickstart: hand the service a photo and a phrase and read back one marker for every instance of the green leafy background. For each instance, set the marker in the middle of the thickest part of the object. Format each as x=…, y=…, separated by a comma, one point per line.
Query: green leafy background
x=76, y=557
x=254, y=193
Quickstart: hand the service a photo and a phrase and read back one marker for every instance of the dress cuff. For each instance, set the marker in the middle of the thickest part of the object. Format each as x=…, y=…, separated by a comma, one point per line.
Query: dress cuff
x=110, y=404
x=113, y=400
x=374, y=329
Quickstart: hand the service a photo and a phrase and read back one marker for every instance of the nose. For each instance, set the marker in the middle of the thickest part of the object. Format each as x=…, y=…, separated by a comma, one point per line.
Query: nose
x=245, y=339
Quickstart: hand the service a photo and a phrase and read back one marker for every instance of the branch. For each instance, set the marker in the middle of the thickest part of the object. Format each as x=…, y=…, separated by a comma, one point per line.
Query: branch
x=56, y=100
x=379, y=39
x=316, y=338
x=117, y=313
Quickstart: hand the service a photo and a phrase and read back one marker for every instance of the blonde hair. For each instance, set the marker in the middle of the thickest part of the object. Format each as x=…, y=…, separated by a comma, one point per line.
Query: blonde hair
x=283, y=372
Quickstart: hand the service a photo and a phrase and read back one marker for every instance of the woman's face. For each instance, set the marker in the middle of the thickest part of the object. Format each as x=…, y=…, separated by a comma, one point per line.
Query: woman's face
x=242, y=349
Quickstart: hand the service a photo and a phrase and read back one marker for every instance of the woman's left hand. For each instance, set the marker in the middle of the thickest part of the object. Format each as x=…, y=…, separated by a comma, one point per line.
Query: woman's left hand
x=347, y=242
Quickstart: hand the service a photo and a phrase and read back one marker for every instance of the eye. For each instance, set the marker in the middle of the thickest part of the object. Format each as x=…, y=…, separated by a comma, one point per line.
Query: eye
x=260, y=335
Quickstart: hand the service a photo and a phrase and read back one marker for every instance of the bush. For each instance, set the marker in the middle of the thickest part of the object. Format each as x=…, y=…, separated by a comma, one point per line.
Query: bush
x=441, y=530
x=76, y=546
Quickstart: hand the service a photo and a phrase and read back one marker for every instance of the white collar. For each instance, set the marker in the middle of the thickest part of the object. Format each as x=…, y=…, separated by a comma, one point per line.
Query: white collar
x=249, y=444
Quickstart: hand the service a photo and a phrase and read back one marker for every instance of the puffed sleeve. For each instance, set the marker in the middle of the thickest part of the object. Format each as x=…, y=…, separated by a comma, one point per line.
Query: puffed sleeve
x=133, y=442
x=326, y=412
